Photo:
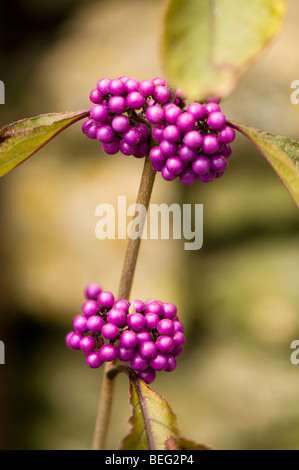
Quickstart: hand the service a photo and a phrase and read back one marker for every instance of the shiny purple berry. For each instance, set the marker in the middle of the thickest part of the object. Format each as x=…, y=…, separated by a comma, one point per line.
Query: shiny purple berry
x=148, y=375
x=193, y=139
x=142, y=336
x=147, y=350
x=186, y=122
x=95, y=324
x=120, y=124
x=103, y=85
x=178, y=339
x=128, y=339
x=186, y=153
x=172, y=133
x=92, y=290
x=110, y=331
x=93, y=360
x=117, y=104
x=143, y=130
x=188, y=177
x=201, y=165
x=139, y=305
x=159, y=362
x=74, y=341
x=91, y=130
x=123, y=304
x=218, y=163
x=165, y=344
x=80, y=324
x=155, y=114
x=111, y=148
x=172, y=112
x=197, y=110
x=157, y=156
x=171, y=365
x=138, y=363
x=165, y=327
x=216, y=120
x=210, y=144
x=166, y=175
x=95, y=96
x=161, y=94
x=227, y=135
x=117, y=316
x=207, y=177
x=108, y=352
x=136, y=321
x=132, y=85
x=105, y=299
x=105, y=134
x=175, y=165
x=151, y=320
x=87, y=344
x=125, y=354
x=90, y=307
x=135, y=100
x=98, y=112
x=168, y=148
x=169, y=310
x=211, y=107
x=117, y=87
x=132, y=136
x=147, y=87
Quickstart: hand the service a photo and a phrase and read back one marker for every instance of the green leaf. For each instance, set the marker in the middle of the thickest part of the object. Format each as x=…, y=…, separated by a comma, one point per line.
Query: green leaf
x=208, y=44
x=153, y=423
x=281, y=152
x=21, y=139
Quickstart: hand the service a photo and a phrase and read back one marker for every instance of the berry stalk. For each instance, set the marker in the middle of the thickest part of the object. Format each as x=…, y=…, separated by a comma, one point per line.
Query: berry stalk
x=125, y=285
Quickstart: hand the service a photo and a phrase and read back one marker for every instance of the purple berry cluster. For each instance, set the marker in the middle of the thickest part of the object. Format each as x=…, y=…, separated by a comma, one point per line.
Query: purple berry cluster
x=193, y=144
x=148, y=336
x=194, y=141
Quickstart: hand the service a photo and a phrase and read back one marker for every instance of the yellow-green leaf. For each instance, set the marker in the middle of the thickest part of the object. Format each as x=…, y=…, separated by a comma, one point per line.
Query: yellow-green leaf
x=281, y=152
x=153, y=423
x=21, y=139
x=208, y=44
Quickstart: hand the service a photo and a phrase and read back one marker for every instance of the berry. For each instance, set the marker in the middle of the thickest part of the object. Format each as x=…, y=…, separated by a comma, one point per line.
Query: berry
x=90, y=307
x=92, y=290
x=94, y=360
x=210, y=144
x=216, y=120
x=136, y=321
x=135, y=100
x=227, y=135
x=94, y=324
x=73, y=340
x=117, y=104
x=80, y=324
x=165, y=344
x=148, y=375
x=147, y=87
x=105, y=299
x=109, y=331
x=117, y=316
x=108, y=352
x=188, y=177
x=128, y=339
x=87, y=344
x=155, y=114
x=148, y=349
x=159, y=362
x=201, y=165
x=175, y=165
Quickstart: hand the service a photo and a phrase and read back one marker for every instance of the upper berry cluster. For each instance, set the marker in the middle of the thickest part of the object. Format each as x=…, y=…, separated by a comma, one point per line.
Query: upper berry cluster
x=193, y=141
x=149, y=336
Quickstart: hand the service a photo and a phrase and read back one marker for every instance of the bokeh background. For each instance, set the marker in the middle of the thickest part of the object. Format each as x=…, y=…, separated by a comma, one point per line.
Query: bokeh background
x=235, y=386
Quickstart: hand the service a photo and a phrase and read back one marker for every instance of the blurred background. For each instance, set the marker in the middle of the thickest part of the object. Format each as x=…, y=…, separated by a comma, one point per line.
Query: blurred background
x=235, y=386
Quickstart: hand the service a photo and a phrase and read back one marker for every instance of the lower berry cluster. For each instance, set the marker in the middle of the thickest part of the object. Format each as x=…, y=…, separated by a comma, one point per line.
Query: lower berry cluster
x=146, y=335
x=192, y=142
